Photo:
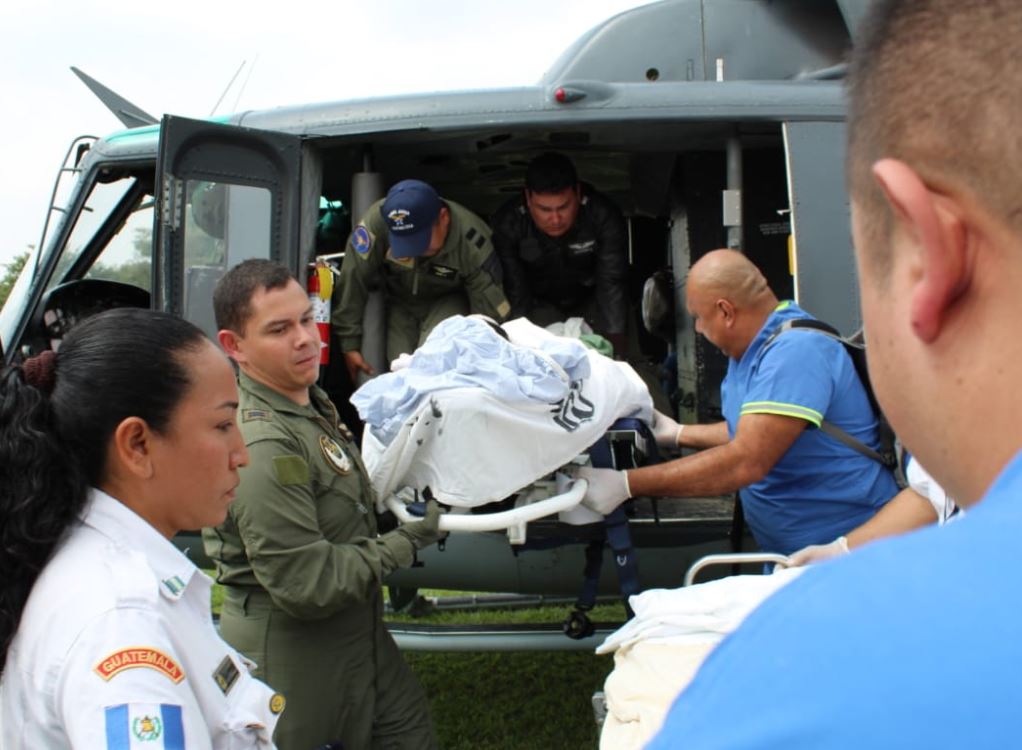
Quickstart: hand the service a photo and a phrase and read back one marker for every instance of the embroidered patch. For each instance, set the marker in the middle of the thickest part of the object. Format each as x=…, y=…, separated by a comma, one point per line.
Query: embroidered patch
x=335, y=455
x=443, y=272
x=277, y=703
x=144, y=725
x=362, y=239
x=226, y=675
x=174, y=585
x=291, y=470
x=582, y=248
x=256, y=415
x=130, y=658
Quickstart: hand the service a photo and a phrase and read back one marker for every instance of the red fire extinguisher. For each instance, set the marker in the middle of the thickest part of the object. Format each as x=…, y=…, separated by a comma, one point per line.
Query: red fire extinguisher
x=321, y=288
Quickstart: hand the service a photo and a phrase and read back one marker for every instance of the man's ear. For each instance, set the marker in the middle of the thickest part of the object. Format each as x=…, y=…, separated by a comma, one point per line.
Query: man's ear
x=230, y=342
x=132, y=447
x=727, y=310
x=933, y=225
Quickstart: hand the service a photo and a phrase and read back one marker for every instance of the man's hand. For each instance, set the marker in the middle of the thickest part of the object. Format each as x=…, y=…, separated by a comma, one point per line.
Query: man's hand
x=427, y=531
x=818, y=553
x=608, y=488
x=666, y=431
x=356, y=364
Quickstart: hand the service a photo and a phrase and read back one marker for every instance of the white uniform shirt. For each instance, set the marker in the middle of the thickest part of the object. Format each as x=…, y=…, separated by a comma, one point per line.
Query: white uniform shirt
x=920, y=481
x=116, y=649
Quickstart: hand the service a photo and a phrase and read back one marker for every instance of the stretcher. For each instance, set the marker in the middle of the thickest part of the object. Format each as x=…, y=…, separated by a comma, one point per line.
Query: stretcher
x=659, y=651
x=467, y=447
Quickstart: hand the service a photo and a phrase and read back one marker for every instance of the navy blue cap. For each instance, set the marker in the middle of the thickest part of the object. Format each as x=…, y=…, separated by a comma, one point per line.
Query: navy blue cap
x=410, y=210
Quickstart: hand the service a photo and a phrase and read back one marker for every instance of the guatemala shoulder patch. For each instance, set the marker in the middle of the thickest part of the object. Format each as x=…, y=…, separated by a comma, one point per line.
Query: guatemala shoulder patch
x=362, y=239
x=132, y=658
x=144, y=726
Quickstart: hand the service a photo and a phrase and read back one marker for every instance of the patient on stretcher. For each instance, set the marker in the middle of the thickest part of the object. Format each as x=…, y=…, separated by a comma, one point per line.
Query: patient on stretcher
x=475, y=417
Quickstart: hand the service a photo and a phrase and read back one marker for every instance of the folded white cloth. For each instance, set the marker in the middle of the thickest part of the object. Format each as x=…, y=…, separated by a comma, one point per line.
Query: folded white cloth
x=694, y=613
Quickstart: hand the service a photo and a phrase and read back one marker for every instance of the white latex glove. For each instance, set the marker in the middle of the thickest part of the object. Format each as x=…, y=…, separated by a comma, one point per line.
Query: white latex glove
x=608, y=488
x=815, y=553
x=666, y=431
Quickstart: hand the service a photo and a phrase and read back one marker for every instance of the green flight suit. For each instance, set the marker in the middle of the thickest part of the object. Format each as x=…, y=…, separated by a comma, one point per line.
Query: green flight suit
x=302, y=567
x=463, y=278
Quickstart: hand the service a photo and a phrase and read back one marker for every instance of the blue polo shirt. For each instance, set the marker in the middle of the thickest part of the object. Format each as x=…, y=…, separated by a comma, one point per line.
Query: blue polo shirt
x=820, y=488
x=909, y=642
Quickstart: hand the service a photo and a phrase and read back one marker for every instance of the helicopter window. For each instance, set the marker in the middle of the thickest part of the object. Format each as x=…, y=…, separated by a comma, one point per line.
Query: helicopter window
x=97, y=209
x=224, y=225
x=127, y=258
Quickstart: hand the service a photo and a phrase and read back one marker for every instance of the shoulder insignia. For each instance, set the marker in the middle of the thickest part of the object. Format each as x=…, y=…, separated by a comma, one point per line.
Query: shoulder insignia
x=443, y=272
x=335, y=455
x=256, y=415
x=226, y=674
x=174, y=585
x=480, y=241
x=471, y=233
x=362, y=239
x=131, y=658
x=277, y=703
x=131, y=725
x=291, y=470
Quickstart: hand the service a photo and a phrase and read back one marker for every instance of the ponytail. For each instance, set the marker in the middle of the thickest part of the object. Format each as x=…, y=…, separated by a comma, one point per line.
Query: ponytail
x=42, y=491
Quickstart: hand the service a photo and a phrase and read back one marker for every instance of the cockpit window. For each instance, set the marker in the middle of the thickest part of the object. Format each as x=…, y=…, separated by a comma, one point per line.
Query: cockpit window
x=128, y=257
x=102, y=199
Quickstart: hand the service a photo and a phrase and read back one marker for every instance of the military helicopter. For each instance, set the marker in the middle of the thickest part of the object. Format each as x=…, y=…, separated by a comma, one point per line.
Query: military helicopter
x=710, y=122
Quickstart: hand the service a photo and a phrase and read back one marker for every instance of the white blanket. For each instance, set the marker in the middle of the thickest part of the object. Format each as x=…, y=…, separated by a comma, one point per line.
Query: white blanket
x=659, y=651
x=470, y=447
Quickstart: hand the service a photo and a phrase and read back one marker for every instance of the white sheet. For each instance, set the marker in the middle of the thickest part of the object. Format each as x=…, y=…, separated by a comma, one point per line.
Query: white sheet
x=470, y=447
x=659, y=651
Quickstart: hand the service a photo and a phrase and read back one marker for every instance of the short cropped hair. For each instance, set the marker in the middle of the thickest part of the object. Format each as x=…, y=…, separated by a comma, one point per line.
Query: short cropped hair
x=232, y=297
x=935, y=84
x=550, y=173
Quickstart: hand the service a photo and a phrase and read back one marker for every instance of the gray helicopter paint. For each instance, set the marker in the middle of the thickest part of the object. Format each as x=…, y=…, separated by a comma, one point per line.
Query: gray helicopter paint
x=825, y=280
x=682, y=40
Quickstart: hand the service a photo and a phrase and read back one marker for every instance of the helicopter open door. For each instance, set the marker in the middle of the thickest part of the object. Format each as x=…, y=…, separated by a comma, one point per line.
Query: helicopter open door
x=823, y=262
x=225, y=194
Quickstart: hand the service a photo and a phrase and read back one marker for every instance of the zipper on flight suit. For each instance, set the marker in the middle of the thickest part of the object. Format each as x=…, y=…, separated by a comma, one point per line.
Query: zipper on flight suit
x=415, y=277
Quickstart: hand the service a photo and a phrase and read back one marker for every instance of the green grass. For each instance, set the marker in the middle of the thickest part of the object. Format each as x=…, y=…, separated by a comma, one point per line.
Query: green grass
x=521, y=700
x=526, y=701
x=508, y=700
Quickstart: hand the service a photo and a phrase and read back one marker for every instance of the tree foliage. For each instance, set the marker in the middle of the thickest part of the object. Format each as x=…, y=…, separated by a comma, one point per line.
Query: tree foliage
x=10, y=274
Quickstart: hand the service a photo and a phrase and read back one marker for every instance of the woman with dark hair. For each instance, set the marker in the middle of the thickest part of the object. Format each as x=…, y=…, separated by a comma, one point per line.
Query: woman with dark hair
x=107, y=449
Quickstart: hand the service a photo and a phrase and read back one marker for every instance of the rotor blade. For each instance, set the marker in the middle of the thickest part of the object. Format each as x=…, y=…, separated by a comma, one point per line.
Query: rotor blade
x=130, y=115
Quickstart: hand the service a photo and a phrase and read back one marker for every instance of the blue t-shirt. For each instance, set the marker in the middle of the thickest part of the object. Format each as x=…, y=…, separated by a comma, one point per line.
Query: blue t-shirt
x=908, y=642
x=820, y=488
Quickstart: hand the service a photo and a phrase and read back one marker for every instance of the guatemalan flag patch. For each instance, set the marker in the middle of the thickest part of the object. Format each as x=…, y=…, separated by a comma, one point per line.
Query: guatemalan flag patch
x=144, y=726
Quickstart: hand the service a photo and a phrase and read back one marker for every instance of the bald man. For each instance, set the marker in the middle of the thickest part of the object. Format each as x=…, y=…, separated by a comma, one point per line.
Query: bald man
x=912, y=641
x=798, y=485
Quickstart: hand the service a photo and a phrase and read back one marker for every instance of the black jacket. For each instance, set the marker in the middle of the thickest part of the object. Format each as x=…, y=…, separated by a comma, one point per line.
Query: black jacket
x=590, y=259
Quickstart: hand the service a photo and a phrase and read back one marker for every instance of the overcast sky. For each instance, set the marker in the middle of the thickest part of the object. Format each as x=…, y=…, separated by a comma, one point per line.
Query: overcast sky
x=178, y=57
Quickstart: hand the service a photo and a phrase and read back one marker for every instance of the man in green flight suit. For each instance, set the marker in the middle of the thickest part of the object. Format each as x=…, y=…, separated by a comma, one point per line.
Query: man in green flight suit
x=299, y=554
x=433, y=259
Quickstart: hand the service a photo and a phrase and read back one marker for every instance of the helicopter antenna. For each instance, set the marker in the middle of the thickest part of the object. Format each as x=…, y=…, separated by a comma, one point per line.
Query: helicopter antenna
x=228, y=88
x=248, y=76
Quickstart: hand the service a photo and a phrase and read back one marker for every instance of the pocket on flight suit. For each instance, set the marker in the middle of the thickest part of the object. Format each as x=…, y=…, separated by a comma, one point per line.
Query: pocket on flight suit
x=245, y=622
